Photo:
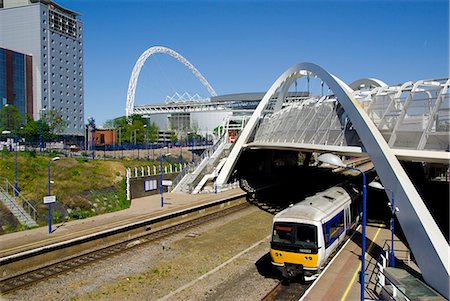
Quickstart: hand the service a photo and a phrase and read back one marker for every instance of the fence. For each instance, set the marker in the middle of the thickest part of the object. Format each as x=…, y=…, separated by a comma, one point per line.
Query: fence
x=383, y=281
x=190, y=167
x=13, y=194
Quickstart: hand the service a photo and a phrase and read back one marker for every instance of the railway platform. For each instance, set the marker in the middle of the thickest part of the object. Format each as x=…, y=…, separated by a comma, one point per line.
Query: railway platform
x=340, y=279
x=141, y=208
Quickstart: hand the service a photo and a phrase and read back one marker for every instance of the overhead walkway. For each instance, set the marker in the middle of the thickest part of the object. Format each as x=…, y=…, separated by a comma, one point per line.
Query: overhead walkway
x=407, y=122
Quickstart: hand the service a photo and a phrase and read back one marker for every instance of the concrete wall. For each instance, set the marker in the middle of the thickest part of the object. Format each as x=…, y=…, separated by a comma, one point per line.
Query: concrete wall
x=137, y=185
x=206, y=121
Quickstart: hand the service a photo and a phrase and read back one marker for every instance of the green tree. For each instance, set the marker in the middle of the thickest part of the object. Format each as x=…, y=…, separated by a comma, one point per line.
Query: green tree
x=173, y=137
x=55, y=122
x=10, y=118
x=128, y=130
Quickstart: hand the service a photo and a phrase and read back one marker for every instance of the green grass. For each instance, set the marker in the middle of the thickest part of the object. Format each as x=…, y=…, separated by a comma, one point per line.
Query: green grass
x=77, y=182
x=85, y=187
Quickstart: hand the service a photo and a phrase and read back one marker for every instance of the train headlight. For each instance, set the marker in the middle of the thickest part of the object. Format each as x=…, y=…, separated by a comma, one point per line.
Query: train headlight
x=308, y=258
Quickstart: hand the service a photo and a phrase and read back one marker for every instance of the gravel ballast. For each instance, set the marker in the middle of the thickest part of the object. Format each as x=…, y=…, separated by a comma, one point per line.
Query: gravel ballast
x=155, y=270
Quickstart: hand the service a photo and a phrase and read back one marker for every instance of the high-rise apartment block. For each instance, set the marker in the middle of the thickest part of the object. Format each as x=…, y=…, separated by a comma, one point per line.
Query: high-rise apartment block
x=53, y=37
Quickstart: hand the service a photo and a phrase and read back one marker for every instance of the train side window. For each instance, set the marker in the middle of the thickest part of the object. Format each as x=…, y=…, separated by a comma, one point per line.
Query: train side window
x=333, y=228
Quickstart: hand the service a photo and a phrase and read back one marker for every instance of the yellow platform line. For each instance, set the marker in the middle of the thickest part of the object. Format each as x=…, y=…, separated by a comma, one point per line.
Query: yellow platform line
x=347, y=290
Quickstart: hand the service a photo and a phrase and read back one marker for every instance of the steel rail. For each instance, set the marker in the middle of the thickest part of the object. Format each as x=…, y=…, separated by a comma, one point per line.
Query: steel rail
x=14, y=283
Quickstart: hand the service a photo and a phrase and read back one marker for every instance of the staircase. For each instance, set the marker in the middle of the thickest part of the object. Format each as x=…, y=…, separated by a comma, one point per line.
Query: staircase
x=194, y=172
x=25, y=214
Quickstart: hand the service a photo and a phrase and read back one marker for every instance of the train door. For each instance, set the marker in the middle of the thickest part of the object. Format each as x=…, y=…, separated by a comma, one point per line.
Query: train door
x=348, y=222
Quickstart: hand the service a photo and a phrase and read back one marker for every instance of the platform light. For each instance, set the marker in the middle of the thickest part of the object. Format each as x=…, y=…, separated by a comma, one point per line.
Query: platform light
x=378, y=185
x=332, y=159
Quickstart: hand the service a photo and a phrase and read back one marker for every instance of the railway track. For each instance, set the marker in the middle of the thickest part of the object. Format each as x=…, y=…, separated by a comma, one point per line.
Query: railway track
x=28, y=278
x=286, y=291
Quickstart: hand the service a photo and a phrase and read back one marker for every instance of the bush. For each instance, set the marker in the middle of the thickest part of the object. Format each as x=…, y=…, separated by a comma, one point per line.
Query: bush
x=80, y=214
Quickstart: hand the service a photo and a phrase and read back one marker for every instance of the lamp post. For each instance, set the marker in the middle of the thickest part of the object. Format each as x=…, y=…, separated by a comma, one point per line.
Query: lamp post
x=193, y=146
x=378, y=185
x=135, y=143
x=16, y=173
x=146, y=142
x=41, y=138
x=49, y=216
x=92, y=125
x=332, y=159
x=147, y=117
x=161, y=177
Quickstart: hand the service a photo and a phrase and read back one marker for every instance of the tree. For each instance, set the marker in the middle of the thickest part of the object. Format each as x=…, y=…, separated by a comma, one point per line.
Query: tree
x=55, y=122
x=173, y=137
x=10, y=118
x=129, y=129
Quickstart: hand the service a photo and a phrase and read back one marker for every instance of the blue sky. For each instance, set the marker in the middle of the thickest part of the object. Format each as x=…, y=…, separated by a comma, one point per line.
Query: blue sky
x=243, y=46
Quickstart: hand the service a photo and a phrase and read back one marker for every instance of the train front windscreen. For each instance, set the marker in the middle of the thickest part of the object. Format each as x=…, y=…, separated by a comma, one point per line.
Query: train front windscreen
x=294, y=237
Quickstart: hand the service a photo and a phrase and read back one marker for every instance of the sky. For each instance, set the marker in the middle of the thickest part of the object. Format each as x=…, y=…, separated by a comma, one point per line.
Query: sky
x=244, y=46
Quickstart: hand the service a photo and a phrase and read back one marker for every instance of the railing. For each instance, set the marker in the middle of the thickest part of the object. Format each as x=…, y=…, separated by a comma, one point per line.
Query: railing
x=193, y=165
x=10, y=191
x=386, y=285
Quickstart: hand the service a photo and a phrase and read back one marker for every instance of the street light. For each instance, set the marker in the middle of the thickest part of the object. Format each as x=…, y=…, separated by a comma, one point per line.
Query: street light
x=161, y=177
x=49, y=217
x=135, y=143
x=332, y=159
x=16, y=173
x=146, y=142
x=378, y=185
x=147, y=117
x=41, y=139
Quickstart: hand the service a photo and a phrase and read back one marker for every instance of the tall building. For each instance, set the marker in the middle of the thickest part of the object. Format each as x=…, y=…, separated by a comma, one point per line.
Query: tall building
x=16, y=80
x=53, y=36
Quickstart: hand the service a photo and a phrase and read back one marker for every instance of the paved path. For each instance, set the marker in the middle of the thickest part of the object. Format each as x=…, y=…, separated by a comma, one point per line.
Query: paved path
x=140, y=209
x=340, y=281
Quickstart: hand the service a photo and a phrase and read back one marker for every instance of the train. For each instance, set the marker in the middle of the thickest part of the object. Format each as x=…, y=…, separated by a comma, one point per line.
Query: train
x=306, y=234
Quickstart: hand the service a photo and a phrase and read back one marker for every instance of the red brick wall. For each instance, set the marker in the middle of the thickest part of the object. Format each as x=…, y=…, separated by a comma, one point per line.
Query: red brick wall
x=109, y=137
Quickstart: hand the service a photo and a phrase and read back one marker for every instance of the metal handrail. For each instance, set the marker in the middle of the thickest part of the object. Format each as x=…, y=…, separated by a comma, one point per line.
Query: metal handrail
x=190, y=167
x=23, y=202
x=381, y=277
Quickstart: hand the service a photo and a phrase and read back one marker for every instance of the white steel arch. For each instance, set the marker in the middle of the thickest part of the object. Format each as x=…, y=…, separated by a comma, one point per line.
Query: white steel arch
x=367, y=83
x=140, y=62
x=426, y=240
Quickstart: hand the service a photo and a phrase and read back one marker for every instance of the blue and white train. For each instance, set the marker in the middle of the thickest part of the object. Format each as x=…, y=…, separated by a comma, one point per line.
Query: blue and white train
x=306, y=234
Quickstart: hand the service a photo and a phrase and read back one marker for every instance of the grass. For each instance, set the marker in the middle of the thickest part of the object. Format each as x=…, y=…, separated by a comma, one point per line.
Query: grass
x=77, y=182
x=85, y=187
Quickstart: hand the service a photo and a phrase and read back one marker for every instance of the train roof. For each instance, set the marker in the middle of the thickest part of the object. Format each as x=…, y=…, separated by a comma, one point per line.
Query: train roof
x=317, y=207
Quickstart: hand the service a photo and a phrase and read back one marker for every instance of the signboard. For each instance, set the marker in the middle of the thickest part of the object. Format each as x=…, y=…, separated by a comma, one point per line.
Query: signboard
x=49, y=199
x=150, y=185
x=167, y=182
